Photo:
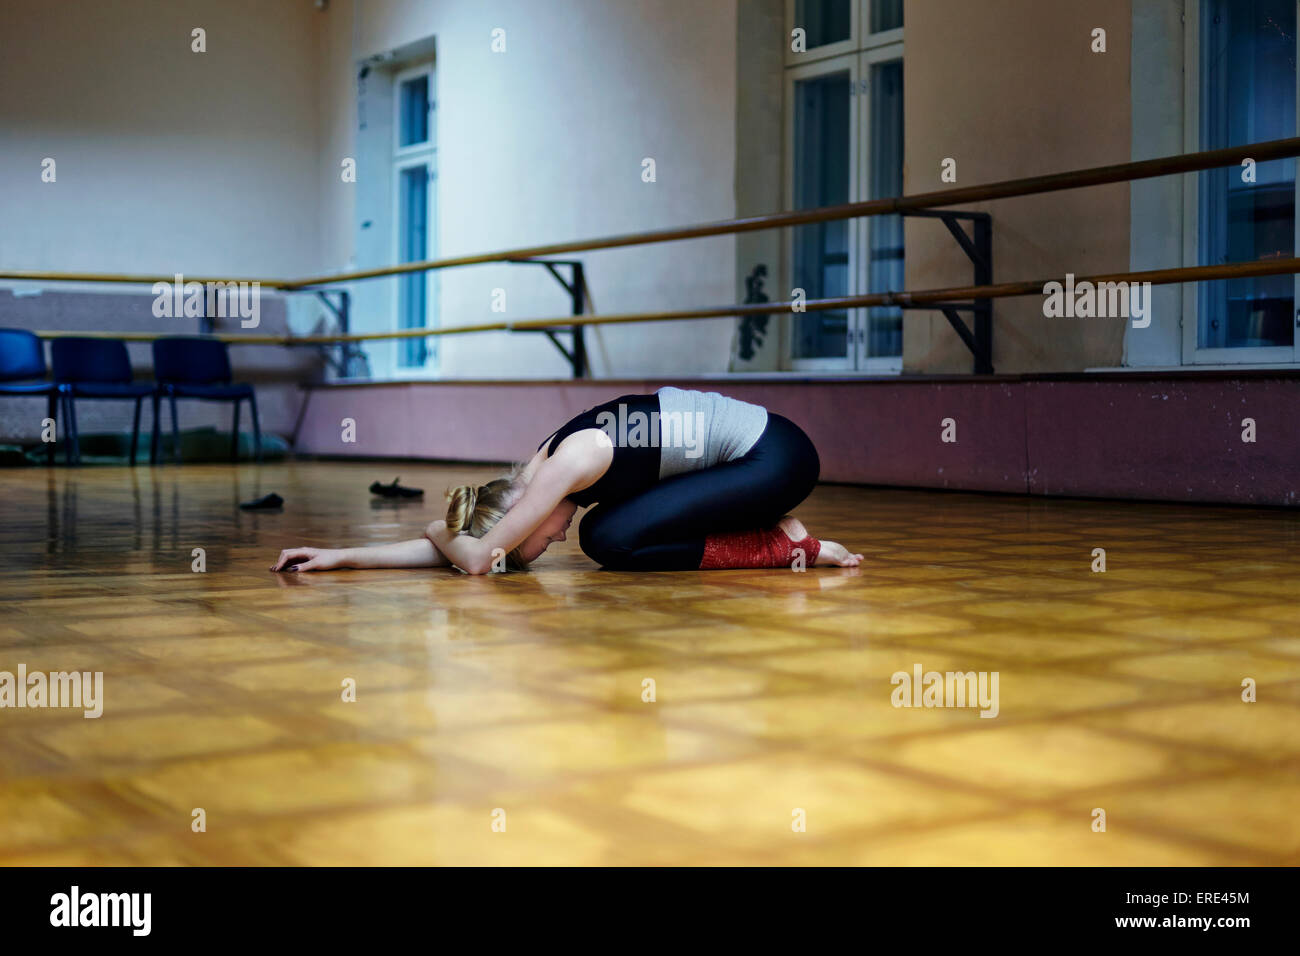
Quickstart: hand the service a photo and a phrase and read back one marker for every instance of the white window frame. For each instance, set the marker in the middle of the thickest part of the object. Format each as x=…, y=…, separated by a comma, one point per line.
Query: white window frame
x=849, y=62
x=827, y=50
x=860, y=321
x=878, y=48
x=399, y=79
x=404, y=157
x=1192, y=353
x=859, y=37
x=884, y=37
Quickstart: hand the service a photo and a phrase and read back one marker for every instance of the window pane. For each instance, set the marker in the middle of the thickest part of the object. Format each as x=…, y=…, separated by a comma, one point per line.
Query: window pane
x=821, y=178
x=413, y=243
x=825, y=21
x=885, y=268
x=415, y=111
x=886, y=15
x=1248, y=81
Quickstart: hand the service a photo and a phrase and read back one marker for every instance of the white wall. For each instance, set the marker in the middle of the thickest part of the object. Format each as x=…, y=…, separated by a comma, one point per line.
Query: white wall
x=544, y=143
x=167, y=160
x=1156, y=220
x=227, y=162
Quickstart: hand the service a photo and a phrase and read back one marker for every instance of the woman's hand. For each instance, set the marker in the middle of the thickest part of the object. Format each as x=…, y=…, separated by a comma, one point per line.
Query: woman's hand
x=310, y=559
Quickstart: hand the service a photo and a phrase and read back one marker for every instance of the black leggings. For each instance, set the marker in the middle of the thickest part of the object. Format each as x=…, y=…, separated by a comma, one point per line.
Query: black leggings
x=663, y=528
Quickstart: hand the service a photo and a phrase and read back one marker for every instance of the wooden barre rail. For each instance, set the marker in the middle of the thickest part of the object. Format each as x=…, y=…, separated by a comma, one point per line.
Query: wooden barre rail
x=124, y=279
x=936, y=297
x=1074, y=179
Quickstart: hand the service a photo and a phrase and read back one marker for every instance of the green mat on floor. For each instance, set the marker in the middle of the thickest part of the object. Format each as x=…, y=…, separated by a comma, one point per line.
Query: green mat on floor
x=197, y=445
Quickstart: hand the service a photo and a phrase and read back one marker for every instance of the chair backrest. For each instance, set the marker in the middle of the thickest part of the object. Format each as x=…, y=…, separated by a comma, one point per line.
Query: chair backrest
x=21, y=355
x=191, y=361
x=78, y=359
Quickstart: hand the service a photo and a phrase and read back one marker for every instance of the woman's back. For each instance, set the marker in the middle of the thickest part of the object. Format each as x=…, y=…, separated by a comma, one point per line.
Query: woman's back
x=660, y=435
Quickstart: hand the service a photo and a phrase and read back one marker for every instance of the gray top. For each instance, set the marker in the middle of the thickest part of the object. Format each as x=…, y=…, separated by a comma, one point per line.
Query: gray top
x=702, y=429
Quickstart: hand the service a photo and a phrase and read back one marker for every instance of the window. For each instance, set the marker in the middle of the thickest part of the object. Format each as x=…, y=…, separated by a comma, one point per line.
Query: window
x=413, y=242
x=885, y=174
x=415, y=178
x=413, y=128
x=825, y=21
x=845, y=143
x=886, y=15
x=835, y=27
x=1244, y=92
x=822, y=175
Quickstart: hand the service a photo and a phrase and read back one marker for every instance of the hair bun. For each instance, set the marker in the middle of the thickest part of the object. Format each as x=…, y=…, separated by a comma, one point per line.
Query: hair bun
x=460, y=508
x=475, y=510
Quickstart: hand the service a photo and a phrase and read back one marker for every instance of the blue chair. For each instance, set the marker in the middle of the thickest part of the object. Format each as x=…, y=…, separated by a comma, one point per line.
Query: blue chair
x=95, y=368
x=22, y=372
x=188, y=367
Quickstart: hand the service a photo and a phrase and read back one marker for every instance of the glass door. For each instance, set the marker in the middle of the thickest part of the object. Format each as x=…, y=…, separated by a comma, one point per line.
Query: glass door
x=879, y=338
x=844, y=105
x=823, y=153
x=415, y=179
x=1245, y=93
x=413, y=215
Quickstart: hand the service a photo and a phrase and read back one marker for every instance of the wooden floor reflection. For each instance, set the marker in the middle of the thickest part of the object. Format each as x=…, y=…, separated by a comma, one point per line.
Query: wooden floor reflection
x=519, y=698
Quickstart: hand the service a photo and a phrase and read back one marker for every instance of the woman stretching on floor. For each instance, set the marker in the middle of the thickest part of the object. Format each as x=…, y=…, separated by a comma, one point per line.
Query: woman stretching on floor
x=684, y=480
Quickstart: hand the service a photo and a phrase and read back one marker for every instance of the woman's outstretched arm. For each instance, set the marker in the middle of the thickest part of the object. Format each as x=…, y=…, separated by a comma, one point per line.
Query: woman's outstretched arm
x=417, y=553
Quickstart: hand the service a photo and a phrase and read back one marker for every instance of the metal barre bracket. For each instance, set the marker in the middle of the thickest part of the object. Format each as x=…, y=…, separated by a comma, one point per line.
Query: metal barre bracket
x=576, y=286
x=980, y=252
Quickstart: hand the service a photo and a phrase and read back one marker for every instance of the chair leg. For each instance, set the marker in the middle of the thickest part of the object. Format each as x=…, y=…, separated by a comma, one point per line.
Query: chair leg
x=176, y=432
x=51, y=408
x=257, y=429
x=72, y=453
x=135, y=429
x=155, y=438
x=234, y=434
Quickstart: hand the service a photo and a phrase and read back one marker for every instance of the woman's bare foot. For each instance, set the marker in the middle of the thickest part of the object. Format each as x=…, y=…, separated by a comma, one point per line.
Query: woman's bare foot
x=832, y=552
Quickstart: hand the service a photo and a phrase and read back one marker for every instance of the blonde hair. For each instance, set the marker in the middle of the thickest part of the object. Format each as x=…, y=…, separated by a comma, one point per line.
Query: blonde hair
x=475, y=509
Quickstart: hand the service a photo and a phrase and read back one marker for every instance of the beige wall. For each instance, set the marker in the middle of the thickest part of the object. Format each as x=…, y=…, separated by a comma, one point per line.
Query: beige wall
x=1010, y=88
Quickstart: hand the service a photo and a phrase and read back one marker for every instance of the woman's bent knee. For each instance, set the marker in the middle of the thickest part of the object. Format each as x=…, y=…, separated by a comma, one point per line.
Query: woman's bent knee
x=601, y=544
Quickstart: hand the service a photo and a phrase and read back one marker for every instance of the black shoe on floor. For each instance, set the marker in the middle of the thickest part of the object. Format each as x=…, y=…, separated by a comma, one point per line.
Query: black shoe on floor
x=395, y=490
x=269, y=502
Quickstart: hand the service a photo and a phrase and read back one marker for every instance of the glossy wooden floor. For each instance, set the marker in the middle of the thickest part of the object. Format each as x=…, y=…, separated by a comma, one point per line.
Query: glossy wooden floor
x=523, y=692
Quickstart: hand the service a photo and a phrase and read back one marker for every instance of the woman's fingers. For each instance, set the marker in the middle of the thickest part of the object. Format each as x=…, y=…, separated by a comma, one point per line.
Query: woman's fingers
x=304, y=559
x=292, y=556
